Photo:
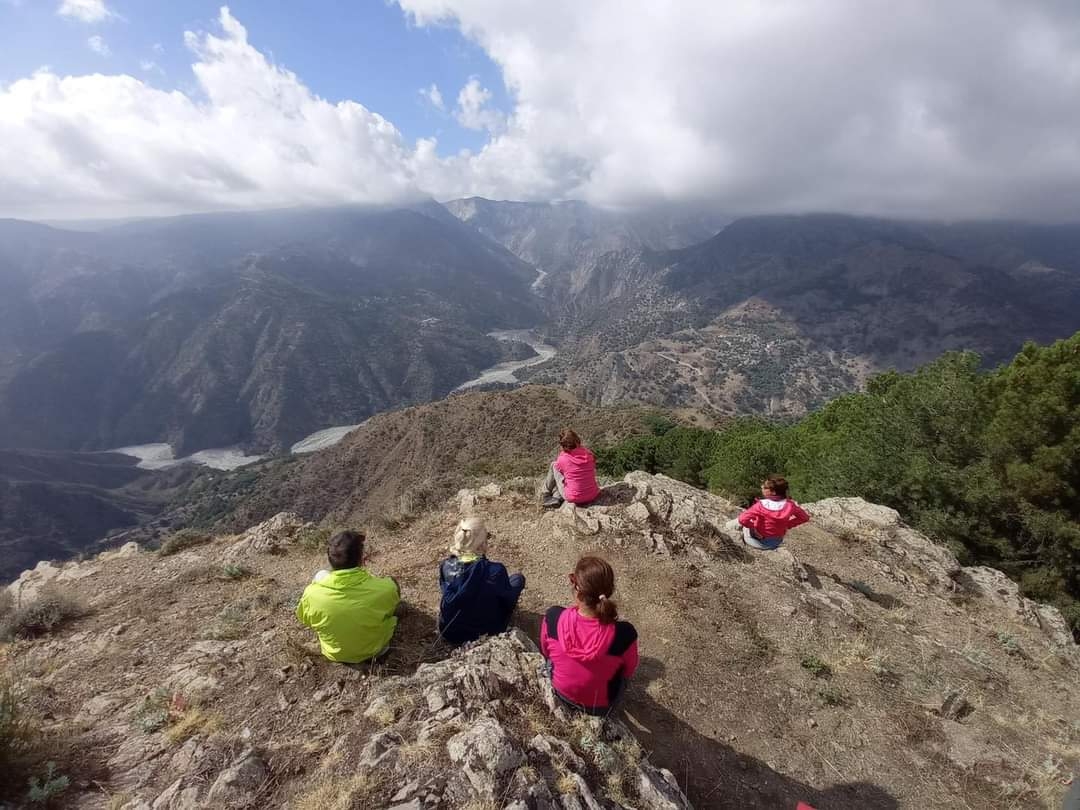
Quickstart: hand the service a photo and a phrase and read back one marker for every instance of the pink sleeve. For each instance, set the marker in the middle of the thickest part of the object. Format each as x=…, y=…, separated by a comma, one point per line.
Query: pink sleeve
x=558, y=464
x=749, y=516
x=630, y=660
x=798, y=515
x=544, y=640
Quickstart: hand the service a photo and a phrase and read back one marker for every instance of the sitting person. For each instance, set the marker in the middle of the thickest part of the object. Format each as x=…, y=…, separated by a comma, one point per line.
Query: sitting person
x=591, y=653
x=572, y=475
x=478, y=597
x=772, y=516
x=351, y=611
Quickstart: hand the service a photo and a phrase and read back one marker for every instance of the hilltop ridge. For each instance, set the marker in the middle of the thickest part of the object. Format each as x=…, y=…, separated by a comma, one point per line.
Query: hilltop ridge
x=861, y=667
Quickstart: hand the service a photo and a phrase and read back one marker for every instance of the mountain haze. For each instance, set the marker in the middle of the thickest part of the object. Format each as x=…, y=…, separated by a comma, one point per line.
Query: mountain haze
x=251, y=329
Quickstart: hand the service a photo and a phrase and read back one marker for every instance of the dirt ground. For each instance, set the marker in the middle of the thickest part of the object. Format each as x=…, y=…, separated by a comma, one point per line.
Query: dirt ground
x=753, y=695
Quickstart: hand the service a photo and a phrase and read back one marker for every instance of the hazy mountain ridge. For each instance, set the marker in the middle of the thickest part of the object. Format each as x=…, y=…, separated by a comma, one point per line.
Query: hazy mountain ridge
x=336, y=315
x=777, y=314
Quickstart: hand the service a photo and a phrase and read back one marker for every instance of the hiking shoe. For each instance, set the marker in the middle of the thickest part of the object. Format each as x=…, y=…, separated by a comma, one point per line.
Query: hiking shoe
x=552, y=503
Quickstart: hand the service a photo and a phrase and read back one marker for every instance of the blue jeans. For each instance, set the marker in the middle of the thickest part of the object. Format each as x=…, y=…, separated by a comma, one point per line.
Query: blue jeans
x=751, y=539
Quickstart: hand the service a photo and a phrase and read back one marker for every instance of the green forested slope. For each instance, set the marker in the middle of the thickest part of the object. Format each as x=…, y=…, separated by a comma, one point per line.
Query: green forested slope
x=986, y=462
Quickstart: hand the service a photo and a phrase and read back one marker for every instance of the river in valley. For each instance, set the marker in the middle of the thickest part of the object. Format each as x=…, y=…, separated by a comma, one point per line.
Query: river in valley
x=160, y=456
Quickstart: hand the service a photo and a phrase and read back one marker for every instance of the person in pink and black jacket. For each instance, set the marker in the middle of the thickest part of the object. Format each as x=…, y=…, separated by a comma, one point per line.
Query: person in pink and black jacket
x=772, y=516
x=572, y=475
x=592, y=653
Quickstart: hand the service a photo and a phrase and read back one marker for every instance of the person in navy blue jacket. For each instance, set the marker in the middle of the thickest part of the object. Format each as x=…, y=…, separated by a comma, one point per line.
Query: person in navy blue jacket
x=478, y=596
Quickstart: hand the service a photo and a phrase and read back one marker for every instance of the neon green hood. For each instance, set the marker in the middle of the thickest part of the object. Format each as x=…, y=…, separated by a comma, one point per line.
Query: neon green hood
x=352, y=612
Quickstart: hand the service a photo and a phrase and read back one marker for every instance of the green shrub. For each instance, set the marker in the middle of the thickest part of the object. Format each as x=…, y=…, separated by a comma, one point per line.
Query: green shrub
x=231, y=571
x=183, y=539
x=314, y=537
x=48, y=787
x=41, y=616
x=153, y=713
x=815, y=666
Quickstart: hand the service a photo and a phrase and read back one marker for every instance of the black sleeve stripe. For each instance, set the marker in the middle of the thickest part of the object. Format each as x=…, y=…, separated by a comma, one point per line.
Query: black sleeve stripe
x=625, y=636
x=551, y=618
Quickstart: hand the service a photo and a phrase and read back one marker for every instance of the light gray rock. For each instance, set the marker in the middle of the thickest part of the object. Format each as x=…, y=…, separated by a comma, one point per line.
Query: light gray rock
x=176, y=797
x=484, y=752
x=557, y=751
x=995, y=586
x=658, y=790
x=269, y=537
x=880, y=529
x=241, y=780
x=638, y=512
x=489, y=491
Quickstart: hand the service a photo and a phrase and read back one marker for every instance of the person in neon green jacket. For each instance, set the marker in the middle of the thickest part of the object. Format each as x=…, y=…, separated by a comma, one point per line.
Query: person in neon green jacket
x=351, y=611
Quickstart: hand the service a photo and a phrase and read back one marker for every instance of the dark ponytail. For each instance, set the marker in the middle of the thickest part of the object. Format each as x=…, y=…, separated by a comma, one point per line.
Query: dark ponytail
x=595, y=584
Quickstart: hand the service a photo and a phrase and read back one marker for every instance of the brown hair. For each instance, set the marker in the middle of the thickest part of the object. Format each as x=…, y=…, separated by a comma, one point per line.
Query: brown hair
x=568, y=440
x=594, y=581
x=345, y=550
x=778, y=484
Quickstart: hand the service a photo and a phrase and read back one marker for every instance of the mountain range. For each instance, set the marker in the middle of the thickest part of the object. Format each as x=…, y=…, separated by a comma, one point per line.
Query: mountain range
x=243, y=329
x=253, y=330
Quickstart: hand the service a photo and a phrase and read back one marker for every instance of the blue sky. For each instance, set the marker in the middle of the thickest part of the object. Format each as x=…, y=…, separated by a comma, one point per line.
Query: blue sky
x=365, y=50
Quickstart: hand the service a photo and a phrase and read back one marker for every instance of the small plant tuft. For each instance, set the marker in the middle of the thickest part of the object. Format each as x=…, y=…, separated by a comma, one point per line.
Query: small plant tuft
x=832, y=696
x=815, y=666
x=48, y=787
x=181, y=540
x=153, y=713
x=49, y=610
x=231, y=571
x=1009, y=643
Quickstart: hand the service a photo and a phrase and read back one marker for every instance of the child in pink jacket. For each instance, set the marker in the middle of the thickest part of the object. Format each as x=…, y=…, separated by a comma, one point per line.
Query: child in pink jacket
x=572, y=476
x=772, y=516
x=592, y=654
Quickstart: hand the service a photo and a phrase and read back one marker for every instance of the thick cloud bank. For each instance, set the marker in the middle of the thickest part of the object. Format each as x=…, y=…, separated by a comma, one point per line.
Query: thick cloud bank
x=969, y=108
x=963, y=108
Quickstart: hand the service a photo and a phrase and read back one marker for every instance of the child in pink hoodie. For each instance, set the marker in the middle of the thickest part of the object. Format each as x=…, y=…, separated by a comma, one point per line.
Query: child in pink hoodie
x=592, y=654
x=572, y=476
x=772, y=516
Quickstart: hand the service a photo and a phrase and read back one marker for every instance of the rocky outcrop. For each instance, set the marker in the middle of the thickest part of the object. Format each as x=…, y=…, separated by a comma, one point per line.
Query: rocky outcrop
x=902, y=552
x=998, y=588
x=483, y=728
x=269, y=537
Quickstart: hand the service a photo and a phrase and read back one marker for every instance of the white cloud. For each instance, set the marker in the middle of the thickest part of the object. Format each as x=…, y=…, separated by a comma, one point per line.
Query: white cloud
x=98, y=45
x=150, y=66
x=472, y=111
x=87, y=11
x=250, y=135
x=966, y=108
x=924, y=108
x=433, y=96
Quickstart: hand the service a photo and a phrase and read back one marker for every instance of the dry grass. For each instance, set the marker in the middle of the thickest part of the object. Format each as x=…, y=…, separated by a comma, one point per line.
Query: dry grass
x=48, y=611
x=191, y=722
x=333, y=792
x=566, y=784
x=183, y=539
